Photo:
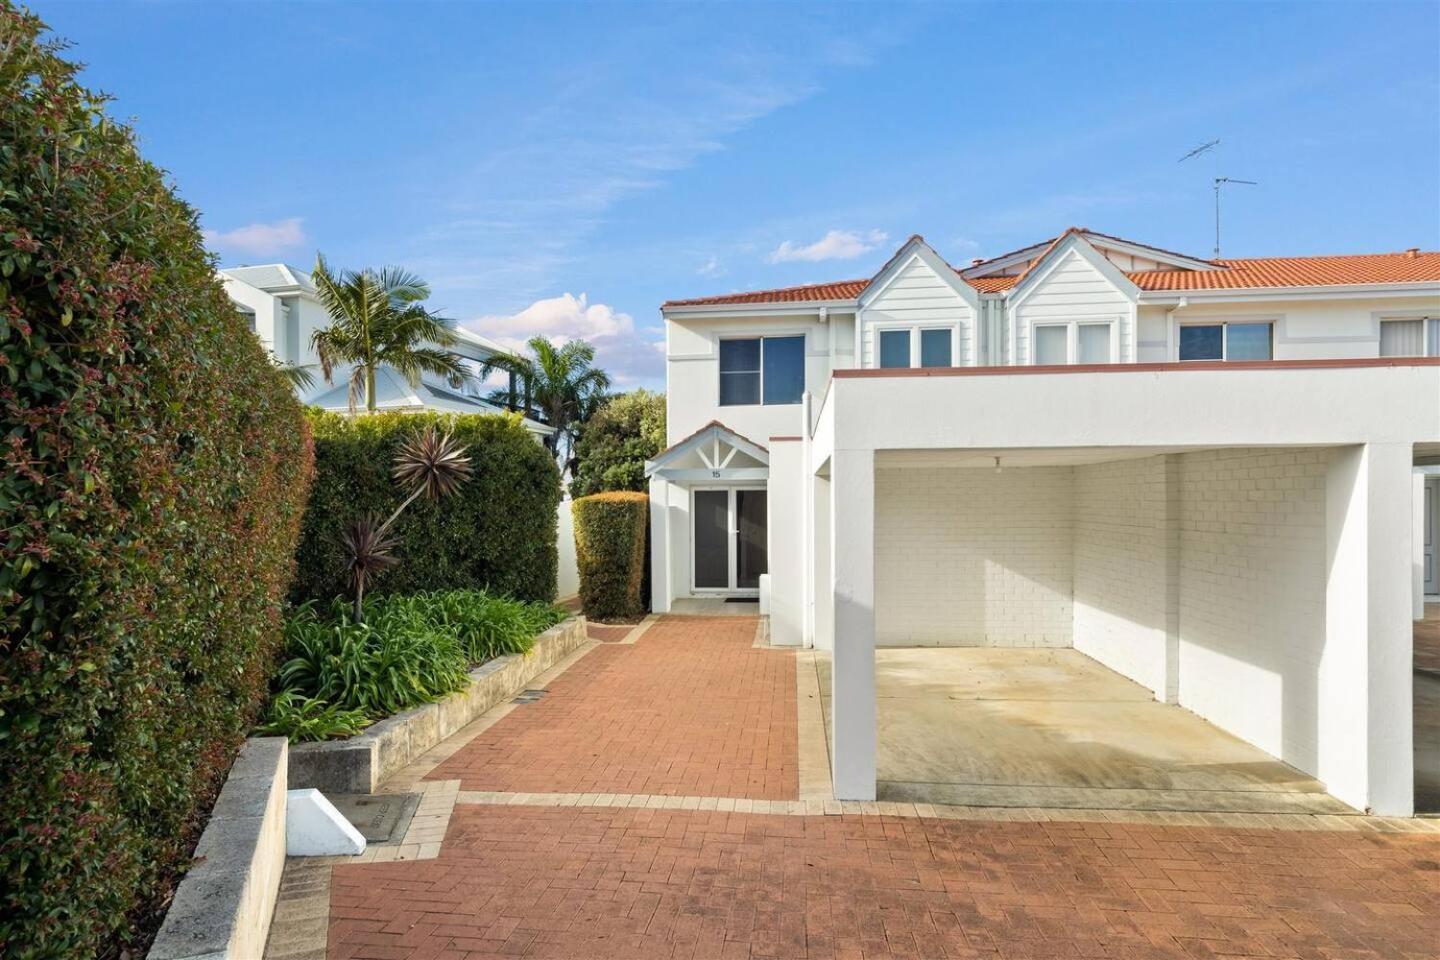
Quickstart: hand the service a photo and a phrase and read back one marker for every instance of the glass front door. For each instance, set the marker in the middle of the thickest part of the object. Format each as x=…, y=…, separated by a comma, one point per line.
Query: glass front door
x=729, y=539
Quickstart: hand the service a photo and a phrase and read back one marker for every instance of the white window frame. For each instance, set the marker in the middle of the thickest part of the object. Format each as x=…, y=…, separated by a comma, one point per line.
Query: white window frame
x=762, y=337
x=1072, y=337
x=914, y=330
x=1427, y=347
x=1224, y=323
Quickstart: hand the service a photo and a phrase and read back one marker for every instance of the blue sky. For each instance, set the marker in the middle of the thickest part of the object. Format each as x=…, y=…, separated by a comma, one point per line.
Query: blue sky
x=562, y=169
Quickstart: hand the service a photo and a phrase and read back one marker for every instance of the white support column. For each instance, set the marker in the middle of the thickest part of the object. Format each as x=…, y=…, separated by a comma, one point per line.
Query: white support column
x=1417, y=560
x=852, y=575
x=1366, y=730
x=1171, y=534
x=659, y=545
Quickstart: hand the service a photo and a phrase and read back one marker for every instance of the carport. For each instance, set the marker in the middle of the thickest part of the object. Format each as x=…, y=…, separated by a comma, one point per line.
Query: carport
x=1121, y=587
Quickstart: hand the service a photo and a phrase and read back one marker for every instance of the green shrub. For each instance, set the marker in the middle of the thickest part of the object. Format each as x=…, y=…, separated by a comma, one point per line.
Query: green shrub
x=610, y=552
x=615, y=443
x=299, y=717
x=154, y=476
x=410, y=650
x=388, y=664
x=496, y=532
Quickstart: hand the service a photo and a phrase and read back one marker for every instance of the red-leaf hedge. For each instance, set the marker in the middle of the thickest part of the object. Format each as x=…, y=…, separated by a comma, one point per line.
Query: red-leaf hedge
x=154, y=476
x=610, y=552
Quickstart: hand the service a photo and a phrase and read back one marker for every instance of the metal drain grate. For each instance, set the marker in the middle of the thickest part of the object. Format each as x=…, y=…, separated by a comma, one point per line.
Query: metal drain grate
x=529, y=696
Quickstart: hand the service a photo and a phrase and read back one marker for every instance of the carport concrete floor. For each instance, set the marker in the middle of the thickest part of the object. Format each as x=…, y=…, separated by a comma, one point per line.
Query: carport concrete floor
x=1054, y=728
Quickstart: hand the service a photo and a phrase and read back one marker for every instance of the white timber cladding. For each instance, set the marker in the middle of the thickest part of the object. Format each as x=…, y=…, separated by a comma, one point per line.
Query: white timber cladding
x=916, y=297
x=1073, y=291
x=969, y=557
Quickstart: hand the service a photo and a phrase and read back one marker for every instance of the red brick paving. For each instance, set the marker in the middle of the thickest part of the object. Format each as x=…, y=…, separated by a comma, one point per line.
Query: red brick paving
x=691, y=709
x=611, y=882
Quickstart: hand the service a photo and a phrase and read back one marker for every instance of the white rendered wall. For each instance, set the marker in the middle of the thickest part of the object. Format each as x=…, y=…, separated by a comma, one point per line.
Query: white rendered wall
x=969, y=557
x=785, y=507
x=1121, y=590
x=692, y=375
x=1252, y=594
x=567, y=579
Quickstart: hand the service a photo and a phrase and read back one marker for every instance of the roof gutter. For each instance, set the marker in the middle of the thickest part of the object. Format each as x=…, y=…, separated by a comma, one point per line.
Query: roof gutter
x=758, y=309
x=1325, y=292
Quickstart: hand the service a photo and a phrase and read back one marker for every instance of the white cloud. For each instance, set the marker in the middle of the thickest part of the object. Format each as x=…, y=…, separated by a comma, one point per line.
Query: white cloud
x=632, y=356
x=260, y=239
x=835, y=245
x=712, y=268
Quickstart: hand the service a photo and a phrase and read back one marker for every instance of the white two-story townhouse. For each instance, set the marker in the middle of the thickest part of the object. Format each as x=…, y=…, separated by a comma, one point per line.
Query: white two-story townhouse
x=284, y=312
x=1217, y=478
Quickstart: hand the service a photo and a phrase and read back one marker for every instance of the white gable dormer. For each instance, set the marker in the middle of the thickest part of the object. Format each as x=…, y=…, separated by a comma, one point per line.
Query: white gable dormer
x=913, y=298
x=1074, y=306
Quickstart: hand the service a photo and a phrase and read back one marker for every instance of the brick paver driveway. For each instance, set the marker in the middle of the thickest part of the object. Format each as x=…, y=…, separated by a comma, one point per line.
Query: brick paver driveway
x=693, y=707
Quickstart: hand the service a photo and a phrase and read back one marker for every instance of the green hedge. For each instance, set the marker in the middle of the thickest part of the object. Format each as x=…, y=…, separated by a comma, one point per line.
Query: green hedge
x=497, y=532
x=155, y=471
x=610, y=552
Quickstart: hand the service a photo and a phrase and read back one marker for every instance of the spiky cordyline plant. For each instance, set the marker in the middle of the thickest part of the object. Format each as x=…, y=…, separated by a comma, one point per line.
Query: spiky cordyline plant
x=370, y=548
x=431, y=463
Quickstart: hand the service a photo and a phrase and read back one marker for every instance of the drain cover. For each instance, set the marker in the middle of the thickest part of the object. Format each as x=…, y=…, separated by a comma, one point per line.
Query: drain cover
x=381, y=817
x=529, y=696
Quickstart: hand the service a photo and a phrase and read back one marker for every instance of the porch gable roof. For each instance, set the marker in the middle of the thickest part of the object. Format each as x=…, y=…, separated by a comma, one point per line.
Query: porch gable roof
x=715, y=446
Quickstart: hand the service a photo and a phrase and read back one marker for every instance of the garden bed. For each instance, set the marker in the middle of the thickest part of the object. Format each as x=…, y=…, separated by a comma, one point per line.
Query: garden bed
x=360, y=763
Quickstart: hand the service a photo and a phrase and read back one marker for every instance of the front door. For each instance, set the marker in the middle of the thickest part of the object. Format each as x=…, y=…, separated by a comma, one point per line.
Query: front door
x=1432, y=536
x=729, y=540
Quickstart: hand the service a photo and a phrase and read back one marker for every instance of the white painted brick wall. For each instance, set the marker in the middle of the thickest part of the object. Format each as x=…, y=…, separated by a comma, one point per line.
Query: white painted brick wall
x=969, y=557
x=1120, y=568
x=1252, y=594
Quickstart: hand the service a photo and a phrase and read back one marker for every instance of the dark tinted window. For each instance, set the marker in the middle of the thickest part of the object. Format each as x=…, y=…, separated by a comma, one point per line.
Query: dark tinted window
x=894, y=348
x=1202, y=342
x=934, y=348
x=739, y=372
x=784, y=359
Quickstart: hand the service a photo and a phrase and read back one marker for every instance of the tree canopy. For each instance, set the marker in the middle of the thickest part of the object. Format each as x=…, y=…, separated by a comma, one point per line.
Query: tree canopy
x=615, y=443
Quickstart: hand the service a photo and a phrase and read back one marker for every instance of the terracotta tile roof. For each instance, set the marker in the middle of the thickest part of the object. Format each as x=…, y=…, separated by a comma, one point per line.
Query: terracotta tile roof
x=1298, y=272
x=811, y=292
x=1235, y=274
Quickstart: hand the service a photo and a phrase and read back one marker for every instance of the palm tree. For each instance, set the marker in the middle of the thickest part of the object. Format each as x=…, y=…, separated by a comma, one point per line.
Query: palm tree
x=558, y=385
x=379, y=320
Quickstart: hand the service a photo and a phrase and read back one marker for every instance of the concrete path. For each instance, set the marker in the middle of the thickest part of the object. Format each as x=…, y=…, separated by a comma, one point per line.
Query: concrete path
x=516, y=851
x=1054, y=728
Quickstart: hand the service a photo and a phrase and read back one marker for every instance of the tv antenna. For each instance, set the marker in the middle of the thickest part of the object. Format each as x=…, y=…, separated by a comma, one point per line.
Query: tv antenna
x=1218, y=180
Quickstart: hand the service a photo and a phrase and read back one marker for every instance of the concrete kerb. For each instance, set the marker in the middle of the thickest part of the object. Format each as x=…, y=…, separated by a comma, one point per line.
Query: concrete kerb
x=359, y=764
x=222, y=907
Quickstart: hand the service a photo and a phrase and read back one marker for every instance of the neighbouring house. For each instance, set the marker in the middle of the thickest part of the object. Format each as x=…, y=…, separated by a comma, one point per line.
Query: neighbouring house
x=280, y=303
x=1207, y=475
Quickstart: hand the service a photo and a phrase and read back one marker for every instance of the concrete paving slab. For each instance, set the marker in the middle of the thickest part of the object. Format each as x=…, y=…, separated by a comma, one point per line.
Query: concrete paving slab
x=1054, y=728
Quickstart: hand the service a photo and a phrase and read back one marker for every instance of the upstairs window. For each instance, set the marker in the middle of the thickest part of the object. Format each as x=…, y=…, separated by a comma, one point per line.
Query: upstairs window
x=902, y=347
x=935, y=348
x=768, y=370
x=1411, y=337
x=1065, y=343
x=894, y=349
x=1226, y=341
